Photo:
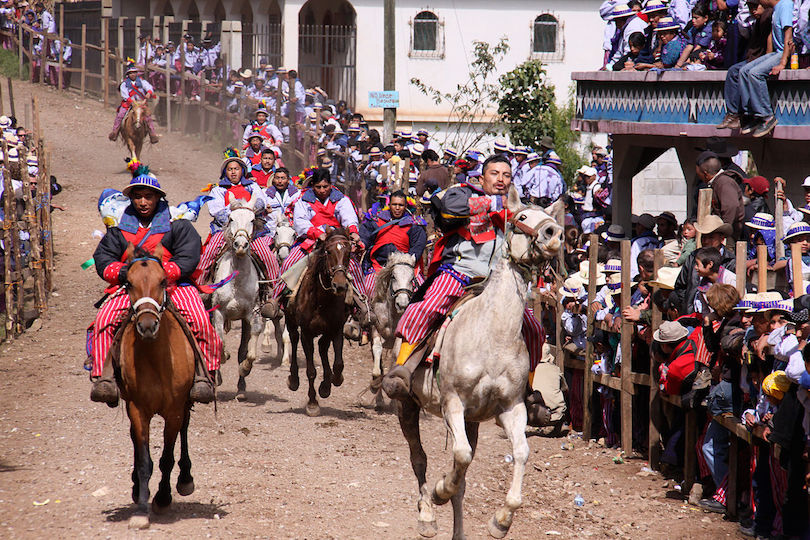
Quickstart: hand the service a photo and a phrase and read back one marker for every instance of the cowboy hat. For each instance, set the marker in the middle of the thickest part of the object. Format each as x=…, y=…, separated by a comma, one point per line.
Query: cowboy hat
x=615, y=233
x=666, y=277
x=670, y=332
x=713, y=223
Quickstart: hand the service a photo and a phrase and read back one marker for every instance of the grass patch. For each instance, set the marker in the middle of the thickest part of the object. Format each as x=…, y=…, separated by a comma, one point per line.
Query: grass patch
x=10, y=65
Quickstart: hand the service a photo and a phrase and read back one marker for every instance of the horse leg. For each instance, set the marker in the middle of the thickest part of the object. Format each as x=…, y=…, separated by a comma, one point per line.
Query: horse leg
x=308, y=344
x=185, y=482
x=337, y=368
x=218, y=322
x=247, y=346
x=514, y=424
x=458, y=498
x=292, y=381
x=376, y=355
x=282, y=342
x=408, y=414
x=447, y=486
x=139, y=432
x=163, y=497
x=266, y=336
x=325, y=388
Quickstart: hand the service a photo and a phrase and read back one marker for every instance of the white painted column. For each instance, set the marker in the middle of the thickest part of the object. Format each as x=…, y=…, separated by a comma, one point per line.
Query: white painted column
x=289, y=20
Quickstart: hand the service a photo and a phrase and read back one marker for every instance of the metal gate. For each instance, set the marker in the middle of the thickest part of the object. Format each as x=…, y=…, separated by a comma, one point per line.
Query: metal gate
x=327, y=57
x=261, y=41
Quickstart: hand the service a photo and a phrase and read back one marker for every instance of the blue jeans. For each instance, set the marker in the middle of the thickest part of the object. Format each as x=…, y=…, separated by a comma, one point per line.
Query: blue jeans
x=734, y=101
x=715, y=450
x=754, y=85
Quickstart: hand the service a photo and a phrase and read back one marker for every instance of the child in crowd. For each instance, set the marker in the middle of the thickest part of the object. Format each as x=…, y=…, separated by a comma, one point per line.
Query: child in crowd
x=688, y=241
x=695, y=62
x=761, y=231
x=699, y=36
x=672, y=41
x=633, y=58
x=714, y=58
x=708, y=266
x=799, y=233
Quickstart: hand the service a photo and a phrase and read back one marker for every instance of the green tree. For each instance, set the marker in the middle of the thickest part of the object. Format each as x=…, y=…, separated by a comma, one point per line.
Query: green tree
x=527, y=108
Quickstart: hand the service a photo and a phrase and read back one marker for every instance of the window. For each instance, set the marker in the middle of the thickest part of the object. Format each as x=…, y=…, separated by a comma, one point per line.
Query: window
x=548, y=42
x=427, y=36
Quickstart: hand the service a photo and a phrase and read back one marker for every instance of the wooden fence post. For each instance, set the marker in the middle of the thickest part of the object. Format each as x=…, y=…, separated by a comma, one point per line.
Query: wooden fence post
x=741, y=256
x=2, y=106
x=44, y=188
x=762, y=268
x=35, y=113
x=32, y=224
x=20, y=48
x=654, y=437
x=183, y=105
x=61, y=51
x=704, y=207
x=84, y=59
x=9, y=229
x=43, y=58
x=105, y=60
x=778, y=213
x=627, y=345
x=593, y=253
x=11, y=105
x=796, y=268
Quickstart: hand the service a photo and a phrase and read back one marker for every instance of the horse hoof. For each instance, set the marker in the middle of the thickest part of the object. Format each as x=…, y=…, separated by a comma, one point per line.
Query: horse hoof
x=241, y=386
x=428, y=529
x=496, y=530
x=292, y=383
x=325, y=389
x=225, y=357
x=313, y=409
x=337, y=378
x=245, y=368
x=160, y=508
x=186, y=488
x=438, y=501
x=139, y=521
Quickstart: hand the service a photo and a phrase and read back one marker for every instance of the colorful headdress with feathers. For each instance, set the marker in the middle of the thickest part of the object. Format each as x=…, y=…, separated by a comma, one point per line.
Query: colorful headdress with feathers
x=142, y=176
x=232, y=155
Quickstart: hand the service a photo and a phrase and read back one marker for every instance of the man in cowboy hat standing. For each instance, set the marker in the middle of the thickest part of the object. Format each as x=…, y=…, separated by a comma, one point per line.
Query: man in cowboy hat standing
x=145, y=224
x=727, y=199
x=134, y=88
x=713, y=234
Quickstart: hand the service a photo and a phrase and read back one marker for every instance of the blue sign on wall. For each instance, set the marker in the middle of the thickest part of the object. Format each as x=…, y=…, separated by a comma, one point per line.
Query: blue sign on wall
x=383, y=99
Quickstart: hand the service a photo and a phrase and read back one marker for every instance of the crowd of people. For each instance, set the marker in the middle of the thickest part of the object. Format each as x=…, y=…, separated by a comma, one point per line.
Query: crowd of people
x=752, y=39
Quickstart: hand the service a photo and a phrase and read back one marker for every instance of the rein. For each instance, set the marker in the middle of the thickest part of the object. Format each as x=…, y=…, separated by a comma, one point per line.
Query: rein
x=532, y=232
x=155, y=308
x=332, y=270
x=405, y=290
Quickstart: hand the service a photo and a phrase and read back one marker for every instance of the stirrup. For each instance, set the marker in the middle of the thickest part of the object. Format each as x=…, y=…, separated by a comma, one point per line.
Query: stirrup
x=201, y=390
x=105, y=391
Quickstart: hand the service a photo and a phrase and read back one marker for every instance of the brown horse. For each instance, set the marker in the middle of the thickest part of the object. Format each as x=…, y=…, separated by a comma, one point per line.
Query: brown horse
x=320, y=309
x=155, y=376
x=134, y=129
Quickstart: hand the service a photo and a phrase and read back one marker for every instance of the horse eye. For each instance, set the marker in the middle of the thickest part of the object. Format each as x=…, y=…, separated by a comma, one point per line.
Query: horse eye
x=522, y=217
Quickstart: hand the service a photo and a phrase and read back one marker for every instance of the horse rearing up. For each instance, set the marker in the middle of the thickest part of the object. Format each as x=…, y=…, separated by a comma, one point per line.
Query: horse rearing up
x=134, y=129
x=320, y=309
x=155, y=377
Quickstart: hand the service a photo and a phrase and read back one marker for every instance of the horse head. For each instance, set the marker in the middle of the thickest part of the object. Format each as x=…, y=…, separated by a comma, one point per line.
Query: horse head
x=534, y=235
x=285, y=236
x=139, y=110
x=402, y=270
x=146, y=286
x=239, y=229
x=337, y=250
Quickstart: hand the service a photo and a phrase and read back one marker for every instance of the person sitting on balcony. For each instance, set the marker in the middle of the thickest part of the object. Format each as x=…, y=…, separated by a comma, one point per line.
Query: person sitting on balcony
x=627, y=23
x=748, y=103
x=699, y=35
x=673, y=43
x=633, y=60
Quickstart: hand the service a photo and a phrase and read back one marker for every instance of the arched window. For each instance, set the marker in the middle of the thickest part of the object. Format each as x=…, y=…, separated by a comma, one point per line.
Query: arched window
x=545, y=32
x=425, y=31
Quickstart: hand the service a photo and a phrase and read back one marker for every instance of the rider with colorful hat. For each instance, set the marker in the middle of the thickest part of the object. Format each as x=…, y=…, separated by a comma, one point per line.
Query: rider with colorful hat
x=134, y=88
x=145, y=224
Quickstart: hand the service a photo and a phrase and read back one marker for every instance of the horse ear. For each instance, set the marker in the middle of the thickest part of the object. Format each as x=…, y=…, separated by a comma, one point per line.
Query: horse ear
x=130, y=252
x=158, y=253
x=513, y=200
x=253, y=198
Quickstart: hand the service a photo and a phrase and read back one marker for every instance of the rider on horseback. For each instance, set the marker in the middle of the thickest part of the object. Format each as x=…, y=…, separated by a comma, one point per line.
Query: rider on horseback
x=264, y=128
x=235, y=184
x=391, y=230
x=145, y=223
x=281, y=193
x=134, y=88
x=472, y=217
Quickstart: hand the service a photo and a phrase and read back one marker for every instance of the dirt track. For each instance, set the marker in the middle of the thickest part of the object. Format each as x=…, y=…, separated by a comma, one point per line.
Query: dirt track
x=262, y=468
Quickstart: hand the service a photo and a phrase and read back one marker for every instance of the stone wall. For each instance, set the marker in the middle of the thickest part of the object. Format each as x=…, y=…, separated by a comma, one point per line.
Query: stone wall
x=661, y=187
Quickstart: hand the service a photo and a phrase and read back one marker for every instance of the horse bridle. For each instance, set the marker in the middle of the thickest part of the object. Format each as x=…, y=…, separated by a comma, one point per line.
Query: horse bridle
x=531, y=232
x=396, y=292
x=332, y=270
x=155, y=308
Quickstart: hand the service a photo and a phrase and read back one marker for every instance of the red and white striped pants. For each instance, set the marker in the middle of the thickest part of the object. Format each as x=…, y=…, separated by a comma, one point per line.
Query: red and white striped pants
x=262, y=246
x=421, y=316
x=188, y=303
x=296, y=254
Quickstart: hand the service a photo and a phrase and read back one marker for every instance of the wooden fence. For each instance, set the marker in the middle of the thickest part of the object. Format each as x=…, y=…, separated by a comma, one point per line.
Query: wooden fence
x=28, y=257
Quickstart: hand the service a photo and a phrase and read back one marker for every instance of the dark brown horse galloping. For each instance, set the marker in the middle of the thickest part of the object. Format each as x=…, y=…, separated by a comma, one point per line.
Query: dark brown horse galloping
x=319, y=309
x=156, y=374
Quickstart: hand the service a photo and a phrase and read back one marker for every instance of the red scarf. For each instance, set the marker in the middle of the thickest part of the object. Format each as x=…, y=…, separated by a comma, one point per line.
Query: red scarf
x=238, y=192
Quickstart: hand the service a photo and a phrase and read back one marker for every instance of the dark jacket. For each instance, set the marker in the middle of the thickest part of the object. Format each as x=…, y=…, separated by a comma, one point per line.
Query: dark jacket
x=433, y=178
x=687, y=282
x=727, y=201
x=413, y=227
x=179, y=238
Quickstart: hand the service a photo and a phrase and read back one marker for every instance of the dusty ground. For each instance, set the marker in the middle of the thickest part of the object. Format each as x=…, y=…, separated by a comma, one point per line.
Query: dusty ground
x=262, y=468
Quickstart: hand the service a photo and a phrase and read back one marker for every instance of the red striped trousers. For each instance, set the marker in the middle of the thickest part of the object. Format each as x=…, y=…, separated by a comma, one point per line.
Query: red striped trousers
x=188, y=303
x=296, y=254
x=370, y=281
x=262, y=246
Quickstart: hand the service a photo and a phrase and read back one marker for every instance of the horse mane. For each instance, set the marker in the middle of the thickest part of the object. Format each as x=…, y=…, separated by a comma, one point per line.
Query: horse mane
x=380, y=293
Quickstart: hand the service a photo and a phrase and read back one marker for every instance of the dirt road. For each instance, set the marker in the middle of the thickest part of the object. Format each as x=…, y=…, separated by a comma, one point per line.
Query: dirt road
x=262, y=468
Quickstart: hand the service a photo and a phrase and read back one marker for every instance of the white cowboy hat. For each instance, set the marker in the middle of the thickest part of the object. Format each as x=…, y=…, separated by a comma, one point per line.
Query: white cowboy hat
x=666, y=277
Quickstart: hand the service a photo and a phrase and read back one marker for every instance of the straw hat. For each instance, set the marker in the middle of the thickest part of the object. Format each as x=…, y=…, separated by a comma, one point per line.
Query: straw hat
x=653, y=6
x=666, y=24
x=666, y=277
x=619, y=11
x=584, y=269
x=614, y=283
x=771, y=300
x=571, y=288
x=5, y=122
x=553, y=158
x=500, y=145
x=713, y=223
x=670, y=332
x=613, y=266
x=521, y=151
x=747, y=303
x=762, y=221
x=452, y=152
x=586, y=171
x=797, y=229
x=417, y=149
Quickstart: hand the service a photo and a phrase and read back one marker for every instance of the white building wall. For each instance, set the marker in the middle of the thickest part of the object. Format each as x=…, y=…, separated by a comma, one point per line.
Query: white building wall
x=660, y=187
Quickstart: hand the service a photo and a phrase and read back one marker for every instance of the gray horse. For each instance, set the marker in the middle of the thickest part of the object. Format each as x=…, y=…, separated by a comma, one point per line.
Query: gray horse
x=483, y=372
x=282, y=242
x=391, y=295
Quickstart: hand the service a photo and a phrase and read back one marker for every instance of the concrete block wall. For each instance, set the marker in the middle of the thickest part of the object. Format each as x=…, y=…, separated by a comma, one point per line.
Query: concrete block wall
x=661, y=187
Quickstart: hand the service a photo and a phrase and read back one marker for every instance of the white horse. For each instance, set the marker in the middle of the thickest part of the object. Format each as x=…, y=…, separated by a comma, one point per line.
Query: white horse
x=391, y=295
x=237, y=299
x=282, y=242
x=482, y=373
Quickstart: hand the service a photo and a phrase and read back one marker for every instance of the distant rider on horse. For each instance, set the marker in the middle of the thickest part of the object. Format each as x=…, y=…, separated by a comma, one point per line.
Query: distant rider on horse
x=472, y=217
x=282, y=193
x=392, y=229
x=134, y=88
x=144, y=224
x=234, y=183
x=268, y=131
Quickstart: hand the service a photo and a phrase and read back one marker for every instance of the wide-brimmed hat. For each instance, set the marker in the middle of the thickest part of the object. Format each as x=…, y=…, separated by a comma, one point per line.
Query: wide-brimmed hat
x=720, y=146
x=422, y=132
x=666, y=24
x=520, y=151
x=571, y=288
x=245, y=73
x=668, y=216
x=584, y=270
x=804, y=209
x=615, y=233
x=747, y=303
x=666, y=277
x=5, y=122
x=772, y=301
x=375, y=152
x=142, y=177
x=645, y=220
x=762, y=221
x=534, y=156
x=500, y=145
x=546, y=142
x=577, y=197
x=653, y=6
x=670, y=332
x=586, y=171
x=452, y=152
x=552, y=157
x=797, y=229
x=599, y=151
x=405, y=133
x=613, y=266
x=713, y=223
x=614, y=283
x=417, y=149
x=619, y=11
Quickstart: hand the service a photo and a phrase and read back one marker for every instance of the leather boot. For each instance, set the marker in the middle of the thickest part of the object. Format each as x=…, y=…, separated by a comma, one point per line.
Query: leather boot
x=537, y=414
x=202, y=390
x=154, y=139
x=397, y=382
x=271, y=309
x=113, y=135
x=105, y=389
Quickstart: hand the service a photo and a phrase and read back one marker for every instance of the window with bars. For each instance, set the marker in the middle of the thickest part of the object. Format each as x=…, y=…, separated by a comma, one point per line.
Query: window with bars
x=548, y=40
x=427, y=36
